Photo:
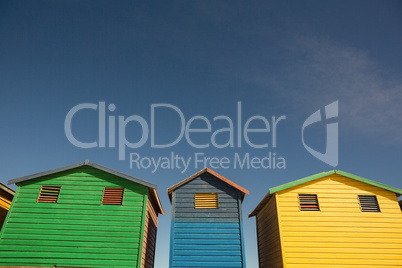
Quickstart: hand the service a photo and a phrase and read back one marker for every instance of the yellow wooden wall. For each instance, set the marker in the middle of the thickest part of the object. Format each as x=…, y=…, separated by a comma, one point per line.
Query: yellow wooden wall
x=340, y=235
x=5, y=202
x=269, y=243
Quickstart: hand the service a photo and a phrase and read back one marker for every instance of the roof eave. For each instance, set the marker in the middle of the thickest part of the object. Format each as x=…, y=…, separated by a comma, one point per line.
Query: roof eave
x=260, y=206
x=86, y=163
x=339, y=172
x=397, y=191
x=285, y=186
x=210, y=171
x=177, y=185
x=44, y=173
x=300, y=181
x=7, y=189
x=122, y=175
x=158, y=201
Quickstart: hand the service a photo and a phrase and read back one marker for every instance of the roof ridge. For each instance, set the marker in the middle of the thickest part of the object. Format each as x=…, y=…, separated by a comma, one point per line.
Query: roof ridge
x=318, y=176
x=93, y=165
x=210, y=171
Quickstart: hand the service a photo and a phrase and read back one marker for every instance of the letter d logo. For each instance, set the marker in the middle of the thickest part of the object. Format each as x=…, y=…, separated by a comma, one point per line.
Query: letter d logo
x=331, y=152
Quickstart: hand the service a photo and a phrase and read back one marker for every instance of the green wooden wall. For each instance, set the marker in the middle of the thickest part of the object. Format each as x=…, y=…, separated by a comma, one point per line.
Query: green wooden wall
x=78, y=230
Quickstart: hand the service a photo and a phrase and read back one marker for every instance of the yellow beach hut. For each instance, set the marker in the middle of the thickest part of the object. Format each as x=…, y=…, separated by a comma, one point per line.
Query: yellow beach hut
x=331, y=219
x=6, y=197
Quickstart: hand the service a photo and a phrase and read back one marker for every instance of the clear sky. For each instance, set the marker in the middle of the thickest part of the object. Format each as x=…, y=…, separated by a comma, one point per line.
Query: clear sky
x=203, y=57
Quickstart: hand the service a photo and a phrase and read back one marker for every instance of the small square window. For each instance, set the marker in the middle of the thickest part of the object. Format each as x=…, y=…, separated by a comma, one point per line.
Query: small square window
x=309, y=202
x=49, y=194
x=369, y=203
x=209, y=200
x=113, y=196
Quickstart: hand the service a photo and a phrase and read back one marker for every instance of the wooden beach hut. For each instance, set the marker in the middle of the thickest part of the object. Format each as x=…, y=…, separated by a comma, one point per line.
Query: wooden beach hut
x=331, y=219
x=82, y=215
x=6, y=197
x=207, y=226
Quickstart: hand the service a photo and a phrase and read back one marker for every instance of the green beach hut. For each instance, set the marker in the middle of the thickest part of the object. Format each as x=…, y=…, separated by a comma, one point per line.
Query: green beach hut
x=82, y=215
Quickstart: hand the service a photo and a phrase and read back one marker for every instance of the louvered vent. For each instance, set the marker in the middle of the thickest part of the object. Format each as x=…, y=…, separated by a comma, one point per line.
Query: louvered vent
x=369, y=203
x=113, y=196
x=49, y=194
x=309, y=202
x=209, y=200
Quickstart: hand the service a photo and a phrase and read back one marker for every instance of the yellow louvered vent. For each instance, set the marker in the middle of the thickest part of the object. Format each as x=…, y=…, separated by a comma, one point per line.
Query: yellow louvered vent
x=113, y=196
x=209, y=200
x=49, y=194
x=369, y=203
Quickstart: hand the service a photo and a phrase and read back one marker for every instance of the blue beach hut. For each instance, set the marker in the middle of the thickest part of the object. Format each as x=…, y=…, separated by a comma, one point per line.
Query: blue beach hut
x=207, y=227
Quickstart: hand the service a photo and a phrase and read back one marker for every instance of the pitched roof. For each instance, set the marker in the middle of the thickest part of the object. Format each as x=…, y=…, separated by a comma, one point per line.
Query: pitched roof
x=7, y=189
x=210, y=171
x=319, y=176
x=97, y=166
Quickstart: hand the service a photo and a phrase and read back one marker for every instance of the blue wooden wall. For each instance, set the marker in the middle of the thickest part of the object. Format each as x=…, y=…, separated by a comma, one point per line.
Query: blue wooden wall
x=206, y=237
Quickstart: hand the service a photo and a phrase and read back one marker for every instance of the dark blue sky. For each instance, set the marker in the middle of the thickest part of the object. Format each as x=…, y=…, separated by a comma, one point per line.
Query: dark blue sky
x=276, y=58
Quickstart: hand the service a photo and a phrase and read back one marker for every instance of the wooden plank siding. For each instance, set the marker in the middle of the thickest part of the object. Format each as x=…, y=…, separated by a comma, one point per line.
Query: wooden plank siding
x=5, y=203
x=77, y=231
x=206, y=237
x=268, y=236
x=150, y=231
x=340, y=234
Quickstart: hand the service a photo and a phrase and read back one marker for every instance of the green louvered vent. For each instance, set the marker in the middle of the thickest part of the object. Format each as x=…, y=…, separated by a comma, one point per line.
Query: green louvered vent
x=309, y=202
x=369, y=203
x=49, y=194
